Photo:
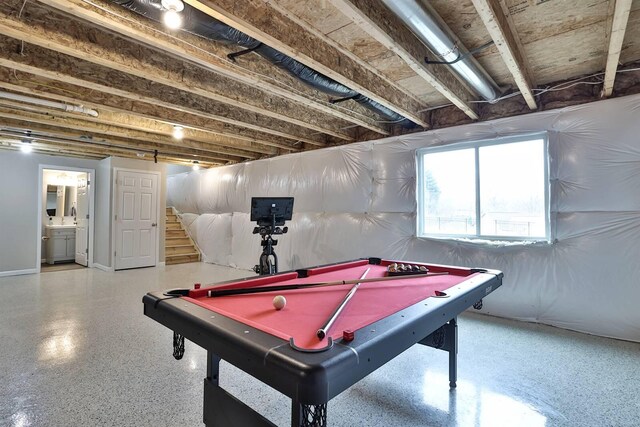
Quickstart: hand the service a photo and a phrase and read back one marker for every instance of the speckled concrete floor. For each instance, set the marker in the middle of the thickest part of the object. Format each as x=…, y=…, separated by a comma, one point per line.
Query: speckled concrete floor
x=76, y=350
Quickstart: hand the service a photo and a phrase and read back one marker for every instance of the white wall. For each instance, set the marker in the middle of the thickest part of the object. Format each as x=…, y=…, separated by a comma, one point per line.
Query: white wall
x=19, y=216
x=359, y=200
x=176, y=169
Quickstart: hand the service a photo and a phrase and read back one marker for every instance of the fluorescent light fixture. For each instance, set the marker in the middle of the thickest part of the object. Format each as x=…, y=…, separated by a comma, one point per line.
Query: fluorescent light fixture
x=178, y=132
x=172, y=18
x=196, y=165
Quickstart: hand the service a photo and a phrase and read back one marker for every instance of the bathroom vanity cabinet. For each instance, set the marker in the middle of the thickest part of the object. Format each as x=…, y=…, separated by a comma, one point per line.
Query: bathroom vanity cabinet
x=61, y=243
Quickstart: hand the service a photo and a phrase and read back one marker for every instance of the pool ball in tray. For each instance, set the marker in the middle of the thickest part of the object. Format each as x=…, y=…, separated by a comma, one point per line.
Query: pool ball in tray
x=396, y=269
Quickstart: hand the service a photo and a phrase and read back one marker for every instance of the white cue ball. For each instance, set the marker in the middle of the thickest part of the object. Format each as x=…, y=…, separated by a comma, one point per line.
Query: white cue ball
x=279, y=302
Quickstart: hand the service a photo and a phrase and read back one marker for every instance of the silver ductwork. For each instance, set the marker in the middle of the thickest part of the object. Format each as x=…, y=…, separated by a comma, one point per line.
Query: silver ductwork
x=425, y=23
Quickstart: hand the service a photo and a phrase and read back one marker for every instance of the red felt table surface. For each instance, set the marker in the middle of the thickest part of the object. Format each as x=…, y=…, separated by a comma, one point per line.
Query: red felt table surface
x=307, y=310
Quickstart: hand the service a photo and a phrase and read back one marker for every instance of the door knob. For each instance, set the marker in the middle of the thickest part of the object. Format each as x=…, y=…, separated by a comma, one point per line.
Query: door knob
x=154, y=224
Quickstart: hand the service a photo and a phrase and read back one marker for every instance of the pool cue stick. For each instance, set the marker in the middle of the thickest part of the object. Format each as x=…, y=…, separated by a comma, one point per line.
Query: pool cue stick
x=260, y=289
x=322, y=332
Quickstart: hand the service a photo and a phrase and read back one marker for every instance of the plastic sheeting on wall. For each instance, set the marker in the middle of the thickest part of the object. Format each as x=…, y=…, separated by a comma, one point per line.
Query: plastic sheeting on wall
x=359, y=200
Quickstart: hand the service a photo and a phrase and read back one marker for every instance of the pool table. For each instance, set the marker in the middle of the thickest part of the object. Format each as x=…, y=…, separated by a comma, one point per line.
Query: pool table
x=282, y=348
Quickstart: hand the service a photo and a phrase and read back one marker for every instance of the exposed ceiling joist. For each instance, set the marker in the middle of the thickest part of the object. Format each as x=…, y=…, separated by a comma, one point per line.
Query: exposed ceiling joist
x=30, y=125
x=60, y=147
x=107, y=124
x=10, y=143
x=196, y=127
x=506, y=40
x=374, y=18
x=54, y=66
x=261, y=21
x=618, y=29
x=206, y=54
x=84, y=43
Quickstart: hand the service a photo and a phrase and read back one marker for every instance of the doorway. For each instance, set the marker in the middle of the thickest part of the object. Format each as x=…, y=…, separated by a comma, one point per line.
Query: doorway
x=136, y=207
x=65, y=220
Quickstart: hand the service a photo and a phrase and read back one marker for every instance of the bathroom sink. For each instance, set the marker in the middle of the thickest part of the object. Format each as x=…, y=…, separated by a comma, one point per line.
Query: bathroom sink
x=61, y=226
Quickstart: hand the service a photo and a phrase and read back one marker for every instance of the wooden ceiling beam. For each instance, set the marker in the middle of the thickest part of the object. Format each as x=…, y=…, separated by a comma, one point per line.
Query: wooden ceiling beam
x=259, y=19
x=52, y=147
x=20, y=123
x=196, y=127
x=207, y=54
x=13, y=144
x=55, y=66
x=618, y=30
x=74, y=149
x=108, y=123
x=92, y=129
x=507, y=42
x=381, y=24
x=45, y=28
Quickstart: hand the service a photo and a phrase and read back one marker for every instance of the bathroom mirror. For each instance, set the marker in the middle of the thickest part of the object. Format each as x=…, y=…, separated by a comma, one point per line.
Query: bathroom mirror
x=60, y=200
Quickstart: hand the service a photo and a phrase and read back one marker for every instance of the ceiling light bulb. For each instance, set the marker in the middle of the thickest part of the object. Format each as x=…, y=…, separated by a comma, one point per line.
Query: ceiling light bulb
x=196, y=166
x=172, y=19
x=178, y=132
x=26, y=148
x=177, y=5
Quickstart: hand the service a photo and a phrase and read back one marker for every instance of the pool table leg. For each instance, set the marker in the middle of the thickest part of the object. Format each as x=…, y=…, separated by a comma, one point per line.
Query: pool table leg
x=221, y=409
x=308, y=415
x=451, y=336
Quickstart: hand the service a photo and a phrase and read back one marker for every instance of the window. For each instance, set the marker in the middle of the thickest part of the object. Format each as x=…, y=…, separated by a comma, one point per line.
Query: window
x=493, y=190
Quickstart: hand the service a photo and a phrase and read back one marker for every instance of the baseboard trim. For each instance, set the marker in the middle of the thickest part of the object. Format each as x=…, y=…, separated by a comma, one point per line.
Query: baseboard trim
x=161, y=264
x=102, y=267
x=18, y=272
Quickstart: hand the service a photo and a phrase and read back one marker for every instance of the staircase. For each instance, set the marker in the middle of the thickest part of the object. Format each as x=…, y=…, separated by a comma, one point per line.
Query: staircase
x=179, y=248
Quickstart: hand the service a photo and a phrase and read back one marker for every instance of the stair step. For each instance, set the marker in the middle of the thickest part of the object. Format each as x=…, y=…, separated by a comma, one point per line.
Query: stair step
x=182, y=258
x=180, y=250
x=175, y=233
x=177, y=241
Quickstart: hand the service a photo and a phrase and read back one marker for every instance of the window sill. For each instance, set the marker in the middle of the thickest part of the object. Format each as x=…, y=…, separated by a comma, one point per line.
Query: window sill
x=486, y=241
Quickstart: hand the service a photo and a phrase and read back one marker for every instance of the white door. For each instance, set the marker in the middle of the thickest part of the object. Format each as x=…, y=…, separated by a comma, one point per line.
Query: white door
x=136, y=219
x=82, y=222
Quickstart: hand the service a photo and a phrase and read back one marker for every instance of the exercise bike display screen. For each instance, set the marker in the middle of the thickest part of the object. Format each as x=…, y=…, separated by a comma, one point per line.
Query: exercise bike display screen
x=266, y=210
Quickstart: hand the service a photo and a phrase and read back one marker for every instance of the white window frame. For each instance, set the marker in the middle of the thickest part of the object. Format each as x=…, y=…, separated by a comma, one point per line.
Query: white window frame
x=476, y=145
